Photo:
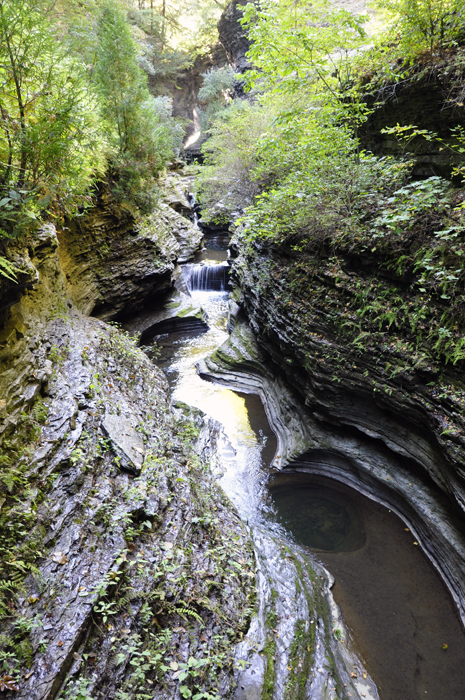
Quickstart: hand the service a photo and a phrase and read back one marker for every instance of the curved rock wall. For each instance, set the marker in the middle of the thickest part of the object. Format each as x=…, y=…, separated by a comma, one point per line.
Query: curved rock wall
x=330, y=422
x=114, y=264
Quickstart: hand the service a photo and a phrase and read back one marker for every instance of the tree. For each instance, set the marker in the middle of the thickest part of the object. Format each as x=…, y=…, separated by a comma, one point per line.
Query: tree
x=142, y=134
x=119, y=80
x=294, y=44
x=424, y=24
x=188, y=25
x=50, y=140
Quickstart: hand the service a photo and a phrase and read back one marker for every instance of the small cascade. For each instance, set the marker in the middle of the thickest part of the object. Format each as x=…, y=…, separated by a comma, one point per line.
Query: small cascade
x=193, y=203
x=207, y=278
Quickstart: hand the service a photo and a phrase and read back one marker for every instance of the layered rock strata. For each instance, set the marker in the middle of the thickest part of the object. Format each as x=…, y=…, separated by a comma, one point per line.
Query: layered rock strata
x=297, y=646
x=121, y=560
x=331, y=431
x=114, y=263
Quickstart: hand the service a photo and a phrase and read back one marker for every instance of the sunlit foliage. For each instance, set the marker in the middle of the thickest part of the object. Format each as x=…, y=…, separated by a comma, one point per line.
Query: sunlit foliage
x=51, y=144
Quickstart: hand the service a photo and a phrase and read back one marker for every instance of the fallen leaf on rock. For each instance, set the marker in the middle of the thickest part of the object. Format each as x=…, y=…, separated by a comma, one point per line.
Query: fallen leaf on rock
x=60, y=644
x=445, y=646
x=415, y=543
x=59, y=558
x=8, y=683
x=353, y=675
x=28, y=675
x=364, y=675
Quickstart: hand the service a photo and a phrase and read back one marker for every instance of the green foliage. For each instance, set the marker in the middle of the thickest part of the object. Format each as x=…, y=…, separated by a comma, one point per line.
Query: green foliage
x=215, y=94
x=118, y=78
x=187, y=26
x=20, y=541
x=142, y=132
x=291, y=164
x=73, y=95
x=294, y=147
x=297, y=48
x=7, y=269
x=401, y=209
x=226, y=182
x=77, y=690
x=423, y=24
x=51, y=145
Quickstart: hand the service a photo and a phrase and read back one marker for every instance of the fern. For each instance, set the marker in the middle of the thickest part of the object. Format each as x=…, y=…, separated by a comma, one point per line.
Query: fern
x=8, y=270
x=182, y=611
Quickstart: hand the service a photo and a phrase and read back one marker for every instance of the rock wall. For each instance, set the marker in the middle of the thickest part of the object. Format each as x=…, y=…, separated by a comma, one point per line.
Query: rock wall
x=383, y=422
x=113, y=532
x=233, y=37
x=115, y=263
x=429, y=97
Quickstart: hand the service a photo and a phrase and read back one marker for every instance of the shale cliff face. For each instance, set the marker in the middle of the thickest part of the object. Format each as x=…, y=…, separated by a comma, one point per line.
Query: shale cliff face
x=370, y=413
x=134, y=260
x=428, y=96
x=232, y=37
x=112, y=529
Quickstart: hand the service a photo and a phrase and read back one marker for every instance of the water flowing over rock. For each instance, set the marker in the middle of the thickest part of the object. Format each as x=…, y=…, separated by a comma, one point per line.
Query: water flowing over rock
x=306, y=444
x=207, y=277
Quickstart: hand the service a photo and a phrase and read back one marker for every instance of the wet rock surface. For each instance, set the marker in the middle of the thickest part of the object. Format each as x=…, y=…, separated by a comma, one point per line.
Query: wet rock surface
x=306, y=442
x=176, y=312
x=121, y=559
x=292, y=647
x=113, y=264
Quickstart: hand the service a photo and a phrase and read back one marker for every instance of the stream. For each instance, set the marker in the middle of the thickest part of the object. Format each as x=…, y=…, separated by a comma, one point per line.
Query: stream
x=402, y=620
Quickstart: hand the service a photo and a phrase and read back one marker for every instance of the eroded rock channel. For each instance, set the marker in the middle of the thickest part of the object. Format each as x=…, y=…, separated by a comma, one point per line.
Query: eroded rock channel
x=398, y=616
x=203, y=531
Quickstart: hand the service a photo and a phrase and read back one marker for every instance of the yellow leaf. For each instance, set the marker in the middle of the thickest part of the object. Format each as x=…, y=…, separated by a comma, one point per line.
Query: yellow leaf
x=59, y=558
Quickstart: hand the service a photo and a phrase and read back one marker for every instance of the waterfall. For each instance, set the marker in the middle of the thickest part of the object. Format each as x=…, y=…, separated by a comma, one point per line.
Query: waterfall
x=193, y=203
x=207, y=278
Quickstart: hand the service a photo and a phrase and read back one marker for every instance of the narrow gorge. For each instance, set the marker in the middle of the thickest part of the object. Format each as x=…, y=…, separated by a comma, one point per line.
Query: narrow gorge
x=232, y=437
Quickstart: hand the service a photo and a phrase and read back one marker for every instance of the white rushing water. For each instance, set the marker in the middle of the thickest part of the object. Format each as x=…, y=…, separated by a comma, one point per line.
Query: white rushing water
x=241, y=454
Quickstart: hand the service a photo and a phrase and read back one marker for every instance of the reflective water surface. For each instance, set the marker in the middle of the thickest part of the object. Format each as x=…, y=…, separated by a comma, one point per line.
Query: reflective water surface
x=392, y=599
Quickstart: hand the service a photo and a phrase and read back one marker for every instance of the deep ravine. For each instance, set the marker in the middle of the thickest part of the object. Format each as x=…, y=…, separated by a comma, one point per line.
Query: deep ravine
x=400, y=614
